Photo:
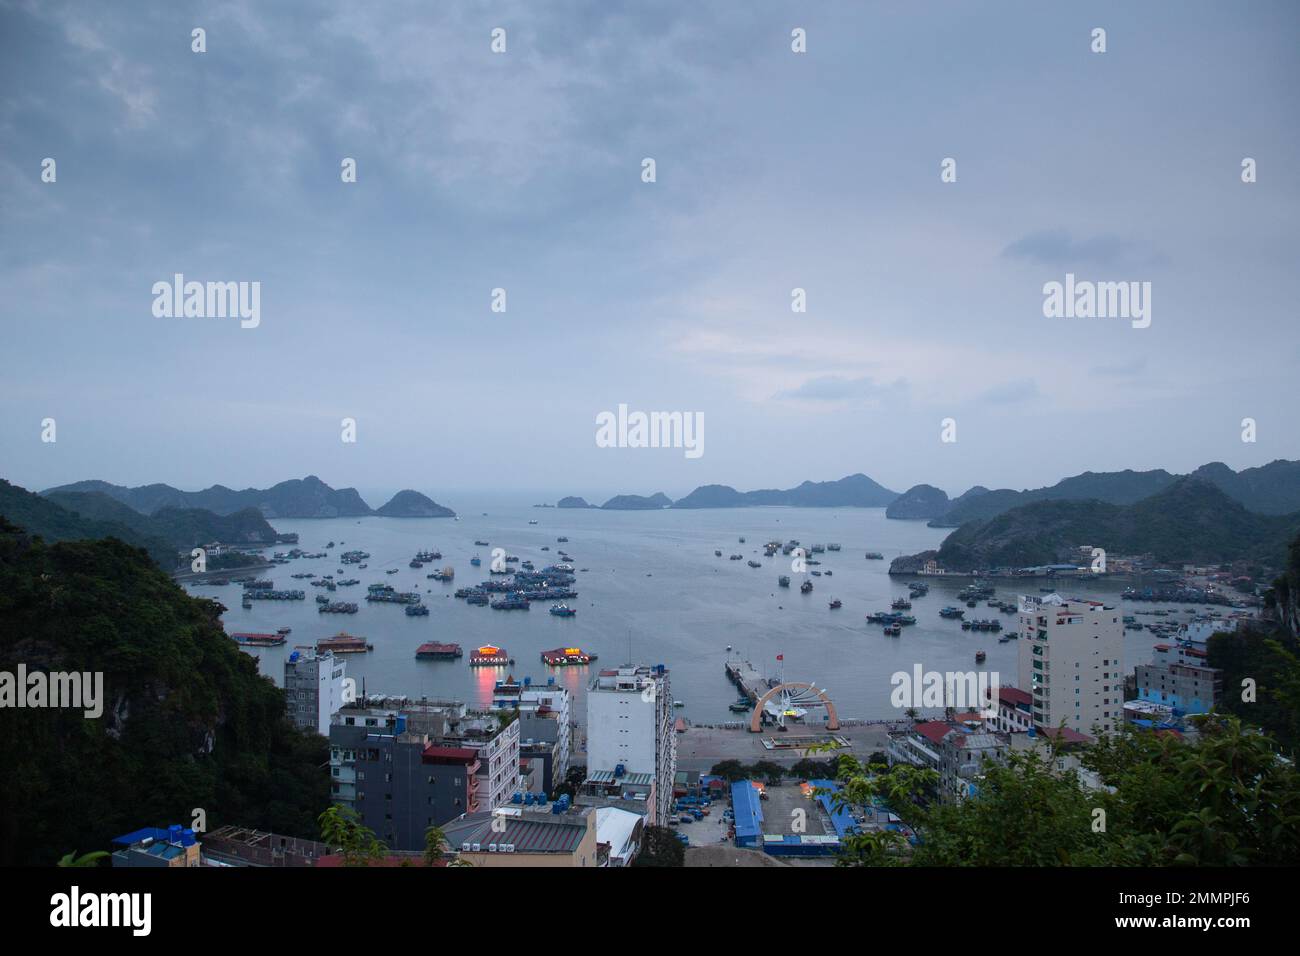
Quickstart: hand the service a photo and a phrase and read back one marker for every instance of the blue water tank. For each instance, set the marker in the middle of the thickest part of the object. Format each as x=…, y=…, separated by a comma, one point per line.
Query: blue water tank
x=550, y=682
x=619, y=770
x=293, y=658
x=1032, y=733
x=528, y=682
x=516, y=797
x=187, y=837
x=174, y=833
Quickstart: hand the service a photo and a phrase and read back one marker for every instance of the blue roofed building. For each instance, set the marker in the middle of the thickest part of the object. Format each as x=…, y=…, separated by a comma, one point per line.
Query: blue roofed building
x=748, y=813
x=155, y=847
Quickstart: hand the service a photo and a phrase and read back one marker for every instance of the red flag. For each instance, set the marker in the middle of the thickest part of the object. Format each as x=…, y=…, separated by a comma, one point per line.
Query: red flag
x=780, y=657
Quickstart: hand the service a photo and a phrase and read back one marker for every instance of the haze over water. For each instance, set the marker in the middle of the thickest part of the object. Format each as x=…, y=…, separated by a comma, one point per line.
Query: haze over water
x=655, y=592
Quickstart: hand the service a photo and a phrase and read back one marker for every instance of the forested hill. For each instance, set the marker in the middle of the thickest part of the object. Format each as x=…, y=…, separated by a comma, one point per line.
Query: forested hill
x=1191, y=521
x=187, y=721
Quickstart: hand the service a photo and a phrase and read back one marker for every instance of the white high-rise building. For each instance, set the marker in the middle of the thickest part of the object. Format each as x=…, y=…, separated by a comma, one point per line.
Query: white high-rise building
x=1071, y=655
x=313, y=689
x=630, y=729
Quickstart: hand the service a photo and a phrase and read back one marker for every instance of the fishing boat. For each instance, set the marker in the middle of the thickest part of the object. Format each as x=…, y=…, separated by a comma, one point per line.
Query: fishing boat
x=416, y=610
x=740, y=706
x=563, y=610
x=258, y=640
x=480, y=544
x=875, y=556
x=561, y=540
x=284, y=631
x=754, y=564
x=953, y=612
x=902, y=604
x=893, y=630
x=806, y=587
x=980, y=657
x=836, y=604
x=783, y=581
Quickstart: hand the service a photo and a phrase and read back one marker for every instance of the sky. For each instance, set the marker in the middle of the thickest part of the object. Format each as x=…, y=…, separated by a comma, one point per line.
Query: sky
x=522, y=170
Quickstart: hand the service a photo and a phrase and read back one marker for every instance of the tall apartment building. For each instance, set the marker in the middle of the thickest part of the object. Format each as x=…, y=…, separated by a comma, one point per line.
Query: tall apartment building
x=630, y=730
x=313, y=689
x=545, y=727
x=405, y=766
x=1071, y=659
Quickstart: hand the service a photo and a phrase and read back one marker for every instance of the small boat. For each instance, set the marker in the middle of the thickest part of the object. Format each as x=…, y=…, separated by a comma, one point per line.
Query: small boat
x=902, y=604
x=480, y=544
x=979, y=657
x=682, y=703
x=816, y=574
x=754, y=564
x=562, y=540
x=875, y=556
x=532, y=521
x=717, y=554
x=476, y=561
x=783, y=581
x=740, y=706
x=836, y=604
x=829, y=573
x=742, y=540
x=893, y=630
x=806, y=587
x=283, y=630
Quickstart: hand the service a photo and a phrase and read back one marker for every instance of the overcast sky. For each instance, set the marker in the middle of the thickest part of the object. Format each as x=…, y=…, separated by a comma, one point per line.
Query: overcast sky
x=522, y=170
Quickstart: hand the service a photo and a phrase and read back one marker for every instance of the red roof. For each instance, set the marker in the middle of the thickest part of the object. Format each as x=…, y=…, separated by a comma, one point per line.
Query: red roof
x=1014, y=696
x=450, y=754
x=933, y=730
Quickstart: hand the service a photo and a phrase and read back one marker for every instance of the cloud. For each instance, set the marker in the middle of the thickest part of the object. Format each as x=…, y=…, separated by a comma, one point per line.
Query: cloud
x=837, y=388
x=1011, y=393
x=1059, y=248
x=1130, y=369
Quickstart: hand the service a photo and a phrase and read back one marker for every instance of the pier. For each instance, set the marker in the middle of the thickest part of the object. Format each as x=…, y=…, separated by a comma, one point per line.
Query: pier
x=747, y=679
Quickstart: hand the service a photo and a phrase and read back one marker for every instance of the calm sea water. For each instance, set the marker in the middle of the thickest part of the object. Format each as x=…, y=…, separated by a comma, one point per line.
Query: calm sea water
x=654, y=593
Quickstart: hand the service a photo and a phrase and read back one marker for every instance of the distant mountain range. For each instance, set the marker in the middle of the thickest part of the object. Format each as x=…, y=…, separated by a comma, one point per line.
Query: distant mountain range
x=71, y=516
x=854, y=491
x=298, y=498
x=1272, y=489
x=1189, y=521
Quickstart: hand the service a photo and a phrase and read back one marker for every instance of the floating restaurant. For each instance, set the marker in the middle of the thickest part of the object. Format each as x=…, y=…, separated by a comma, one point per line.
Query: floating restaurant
x=489, y=655
x=566, y=656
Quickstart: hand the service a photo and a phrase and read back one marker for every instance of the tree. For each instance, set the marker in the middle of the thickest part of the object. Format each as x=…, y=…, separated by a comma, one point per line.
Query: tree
x=435, y=844
x=730, y=770
x=1226, y=800
x=86, y=859
x=768, y=770
x=341, y=827
x=661, y=847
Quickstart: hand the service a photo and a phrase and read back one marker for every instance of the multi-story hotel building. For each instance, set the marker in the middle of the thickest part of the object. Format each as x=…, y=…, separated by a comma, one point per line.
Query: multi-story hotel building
x=1071, y=663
